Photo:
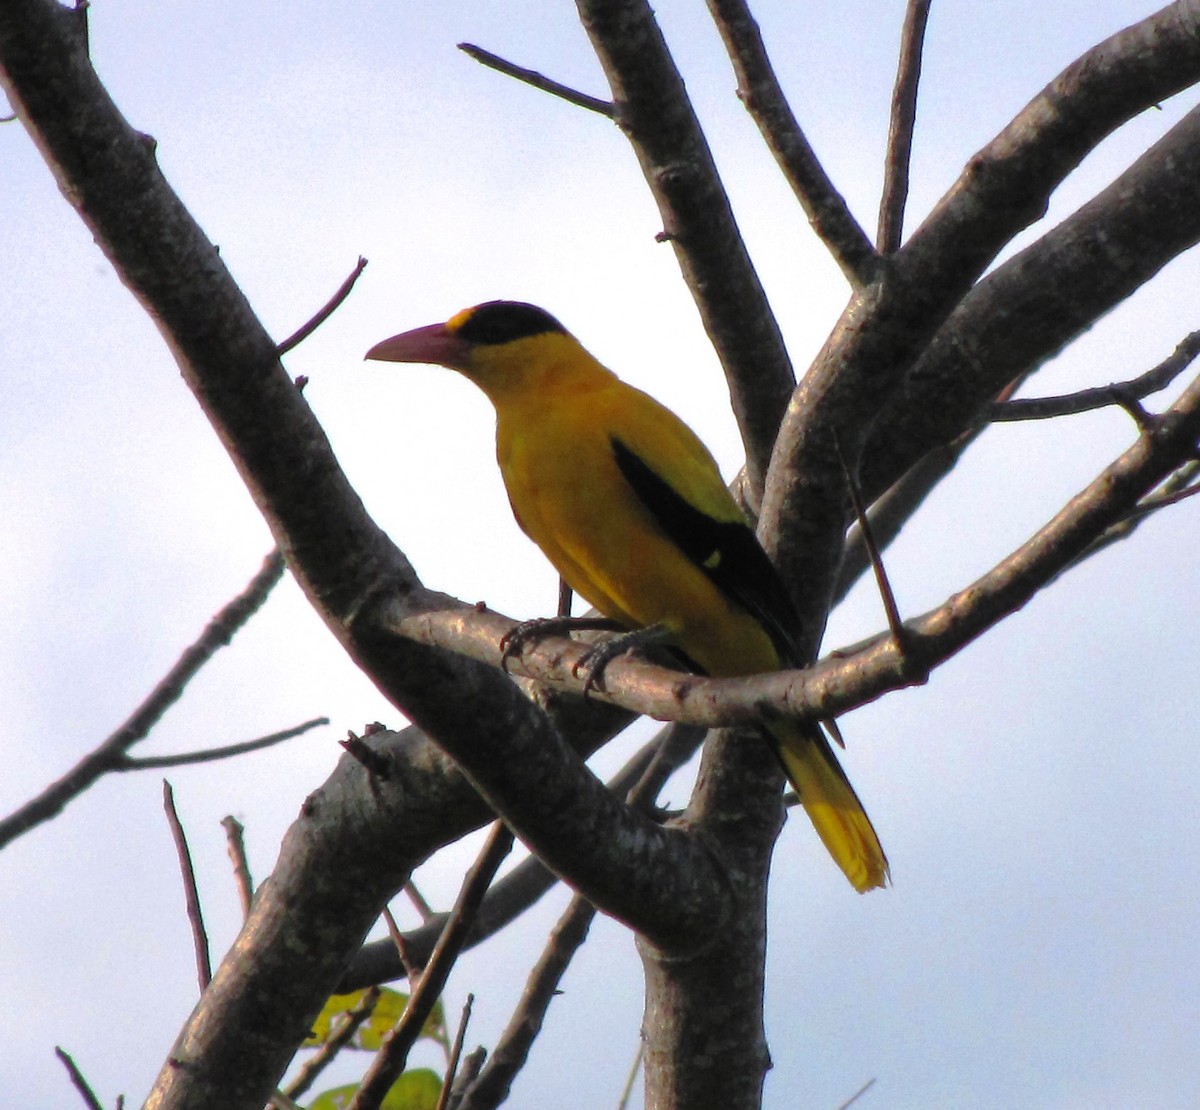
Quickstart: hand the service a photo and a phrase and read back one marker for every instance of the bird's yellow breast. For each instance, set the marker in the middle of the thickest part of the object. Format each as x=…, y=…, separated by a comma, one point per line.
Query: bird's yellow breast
x=556, y=456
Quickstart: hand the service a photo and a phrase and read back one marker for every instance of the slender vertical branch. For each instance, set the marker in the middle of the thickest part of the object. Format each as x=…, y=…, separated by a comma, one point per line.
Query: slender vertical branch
x=190, y=890
x=900, y=133
x=236, y=843
x=656, y=115
x=759, y=90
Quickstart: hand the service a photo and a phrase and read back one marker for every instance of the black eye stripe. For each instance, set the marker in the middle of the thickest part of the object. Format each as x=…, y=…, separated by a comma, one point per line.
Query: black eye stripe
x=503, y=321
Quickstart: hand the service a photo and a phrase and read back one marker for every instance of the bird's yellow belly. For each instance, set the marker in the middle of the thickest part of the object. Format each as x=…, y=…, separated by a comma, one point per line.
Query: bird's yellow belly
x=605, y=545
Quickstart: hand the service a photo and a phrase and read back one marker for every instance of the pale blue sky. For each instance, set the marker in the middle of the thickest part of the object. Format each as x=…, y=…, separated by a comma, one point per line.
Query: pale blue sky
x=1037, y=798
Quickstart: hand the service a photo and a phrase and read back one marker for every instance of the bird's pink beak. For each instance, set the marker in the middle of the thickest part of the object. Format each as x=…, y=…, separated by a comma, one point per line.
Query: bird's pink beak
x=432, y=344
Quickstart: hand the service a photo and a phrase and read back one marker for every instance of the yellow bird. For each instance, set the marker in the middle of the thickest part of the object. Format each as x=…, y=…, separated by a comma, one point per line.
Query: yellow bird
x=630, y=507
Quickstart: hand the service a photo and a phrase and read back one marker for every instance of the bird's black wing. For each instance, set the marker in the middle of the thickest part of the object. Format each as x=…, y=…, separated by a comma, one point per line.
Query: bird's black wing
x=725, y=550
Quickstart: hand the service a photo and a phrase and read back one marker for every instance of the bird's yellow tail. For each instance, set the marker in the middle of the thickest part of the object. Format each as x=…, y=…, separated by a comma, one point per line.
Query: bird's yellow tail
x=831, y=804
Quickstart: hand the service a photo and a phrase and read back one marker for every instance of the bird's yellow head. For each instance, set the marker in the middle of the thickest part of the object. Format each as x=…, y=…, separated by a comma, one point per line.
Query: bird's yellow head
x=500, y=345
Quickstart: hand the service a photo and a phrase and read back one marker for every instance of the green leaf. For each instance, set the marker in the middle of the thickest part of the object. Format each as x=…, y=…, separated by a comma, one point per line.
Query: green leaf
x=418, y=1089
x=385, y=1015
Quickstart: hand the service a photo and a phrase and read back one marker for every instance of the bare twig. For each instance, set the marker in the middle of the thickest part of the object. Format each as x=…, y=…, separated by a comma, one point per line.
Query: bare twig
x=895, y=508
x=392, y=1057
x=759, y=90
x=857, y=1095
x=331, y=306
x=455, y=1053
x=418, y=899
x=236, y=843
x=107, y=756
x=1087, y=400
x=892, y=611
x=339, y=1036
x=537, y=80
x=900, y=133
x=411, y=968
x=631, y=1078
x=190, y=891
x=210, y=755
x=494, y=1081
x=78, y=1081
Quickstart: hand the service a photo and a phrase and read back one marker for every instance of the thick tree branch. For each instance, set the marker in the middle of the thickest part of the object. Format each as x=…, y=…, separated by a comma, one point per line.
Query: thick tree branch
x=659, y=879
x=520, y=888
x=1005, y=187
x=1035, y=303
x=846, y=681
x=654, y=112
x=348, y=568
x=759, y=90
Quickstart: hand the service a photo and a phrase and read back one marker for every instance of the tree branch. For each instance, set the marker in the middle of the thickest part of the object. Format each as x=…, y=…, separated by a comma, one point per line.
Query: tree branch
x=537, y=80
x=654, y=112
x=210, y=755
x=1088, y=400
x=331, y=306
x=900, y=133
x=845, y=681
x=110, y=755
x=1036, y=302
x=758, y=89
x=855, y=383
x=78, y=1081
x=491, y=1087
x=190, y=890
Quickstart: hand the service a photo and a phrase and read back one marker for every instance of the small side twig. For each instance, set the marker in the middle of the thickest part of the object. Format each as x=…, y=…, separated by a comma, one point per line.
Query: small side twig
x=631, y=1078
x=339, y=1036
x=857, y=1095
x=331, y=306
x=455, y=1054
x=392, y=1057
x=211, y=755
x=418, y=900
x=900, y=133
x=191, y=892
x=890, y=608
x=78, y=1081
x=1119, y=393
x=103, y=759
x=538, y=80
x=411, y=968
x=236, y=843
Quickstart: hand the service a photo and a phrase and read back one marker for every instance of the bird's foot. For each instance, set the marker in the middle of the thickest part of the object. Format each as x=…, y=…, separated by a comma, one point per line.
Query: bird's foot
x=514, y=642
x=592, y=665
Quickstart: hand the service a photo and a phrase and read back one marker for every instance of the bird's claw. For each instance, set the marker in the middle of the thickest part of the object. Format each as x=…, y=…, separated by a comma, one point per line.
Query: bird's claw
x=595, y=660
x=513, y=642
